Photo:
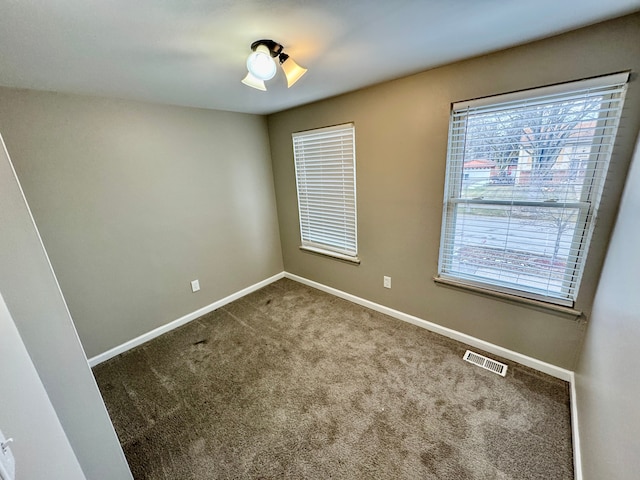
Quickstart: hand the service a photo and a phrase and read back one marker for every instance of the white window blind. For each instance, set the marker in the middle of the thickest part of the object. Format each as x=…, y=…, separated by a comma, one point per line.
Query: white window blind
x=326, y=183
x=525, y=173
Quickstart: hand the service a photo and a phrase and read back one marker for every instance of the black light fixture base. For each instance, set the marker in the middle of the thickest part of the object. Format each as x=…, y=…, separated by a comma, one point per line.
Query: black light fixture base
x=291, y=69
x=275, y=48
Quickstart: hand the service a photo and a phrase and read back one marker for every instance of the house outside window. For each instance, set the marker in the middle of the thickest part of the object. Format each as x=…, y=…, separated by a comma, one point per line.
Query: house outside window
x=325, y=162
x=525, y=173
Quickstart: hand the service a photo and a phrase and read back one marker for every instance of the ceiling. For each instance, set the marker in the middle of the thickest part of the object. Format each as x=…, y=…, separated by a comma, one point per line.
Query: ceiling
x=193, y=52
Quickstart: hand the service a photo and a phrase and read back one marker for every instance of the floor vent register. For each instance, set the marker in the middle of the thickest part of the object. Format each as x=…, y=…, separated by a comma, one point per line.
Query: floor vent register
x=486, y=363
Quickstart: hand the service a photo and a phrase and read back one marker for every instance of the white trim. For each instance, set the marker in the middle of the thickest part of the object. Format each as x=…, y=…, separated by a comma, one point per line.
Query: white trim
x=505, y=293
x=44, y=249
x=323, y=225
x=549, y=369
x=558, y=89
x=531, y=362
x=329, y=253
x=74, y=331
x=575, y=431
x=323, y=130
x=145, y=337
x=539, y=365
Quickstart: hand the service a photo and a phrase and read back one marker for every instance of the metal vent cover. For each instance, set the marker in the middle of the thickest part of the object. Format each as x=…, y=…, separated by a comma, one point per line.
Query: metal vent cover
x=486, y=363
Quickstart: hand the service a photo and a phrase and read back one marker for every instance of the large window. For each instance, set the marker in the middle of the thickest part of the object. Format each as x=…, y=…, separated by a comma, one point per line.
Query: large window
x=326, y=182
x=524, y=178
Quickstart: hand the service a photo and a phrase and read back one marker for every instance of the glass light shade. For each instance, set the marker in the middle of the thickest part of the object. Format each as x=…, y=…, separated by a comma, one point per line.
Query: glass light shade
x=260, y=63
x=292, y=71
x=254, y=82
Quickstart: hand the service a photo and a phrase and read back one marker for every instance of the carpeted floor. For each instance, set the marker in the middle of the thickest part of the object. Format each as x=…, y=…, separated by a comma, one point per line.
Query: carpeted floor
x=290, y=382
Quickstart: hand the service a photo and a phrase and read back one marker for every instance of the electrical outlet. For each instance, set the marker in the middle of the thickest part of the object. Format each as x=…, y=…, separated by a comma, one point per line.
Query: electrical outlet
x=386, y=282
x=195, y=285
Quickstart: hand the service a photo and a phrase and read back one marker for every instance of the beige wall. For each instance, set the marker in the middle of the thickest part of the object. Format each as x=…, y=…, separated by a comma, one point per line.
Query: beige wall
x=37, y=307
x=401, y=142
x=607, y=379
x=24, y=404
x=135, y=200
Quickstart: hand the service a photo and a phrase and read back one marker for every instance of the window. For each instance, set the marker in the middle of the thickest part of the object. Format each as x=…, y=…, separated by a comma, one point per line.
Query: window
x=326, y=183
x=525, y=173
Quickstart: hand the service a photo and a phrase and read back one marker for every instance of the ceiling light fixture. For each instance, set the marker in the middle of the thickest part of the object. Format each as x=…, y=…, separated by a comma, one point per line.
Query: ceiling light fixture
x=262, y=66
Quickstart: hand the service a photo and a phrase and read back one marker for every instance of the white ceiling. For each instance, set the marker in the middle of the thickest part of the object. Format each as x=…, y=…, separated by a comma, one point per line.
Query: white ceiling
x=193, y=52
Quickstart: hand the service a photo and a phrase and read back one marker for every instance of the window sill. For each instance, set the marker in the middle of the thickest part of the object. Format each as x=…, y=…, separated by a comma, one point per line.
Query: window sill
x=328, y=253
x=513, y=298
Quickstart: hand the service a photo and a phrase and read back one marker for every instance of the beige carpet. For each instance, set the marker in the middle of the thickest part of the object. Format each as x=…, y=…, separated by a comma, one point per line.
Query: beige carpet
x=290, y=382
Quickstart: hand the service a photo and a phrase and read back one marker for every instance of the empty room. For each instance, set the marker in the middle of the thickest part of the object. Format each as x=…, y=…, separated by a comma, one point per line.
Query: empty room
x=287, y=239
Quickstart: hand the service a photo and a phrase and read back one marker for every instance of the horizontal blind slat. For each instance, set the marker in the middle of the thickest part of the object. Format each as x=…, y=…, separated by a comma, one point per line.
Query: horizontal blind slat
x=325, y=180
x=521, y=216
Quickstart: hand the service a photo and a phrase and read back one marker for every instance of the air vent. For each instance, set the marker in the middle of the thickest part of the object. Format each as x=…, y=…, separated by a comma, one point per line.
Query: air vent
x=486, y=363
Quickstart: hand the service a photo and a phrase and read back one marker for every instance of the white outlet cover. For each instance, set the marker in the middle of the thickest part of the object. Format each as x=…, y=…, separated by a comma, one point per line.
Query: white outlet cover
x=195, y=285
x=387, y=282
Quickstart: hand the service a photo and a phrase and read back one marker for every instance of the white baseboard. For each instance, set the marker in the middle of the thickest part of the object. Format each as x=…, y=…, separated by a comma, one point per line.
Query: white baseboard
x=180, y=321
x=534, y=363
x=549, y=369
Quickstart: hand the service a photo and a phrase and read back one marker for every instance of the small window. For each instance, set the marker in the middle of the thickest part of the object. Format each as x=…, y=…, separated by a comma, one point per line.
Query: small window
x=326, y=184
x=525, y=173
